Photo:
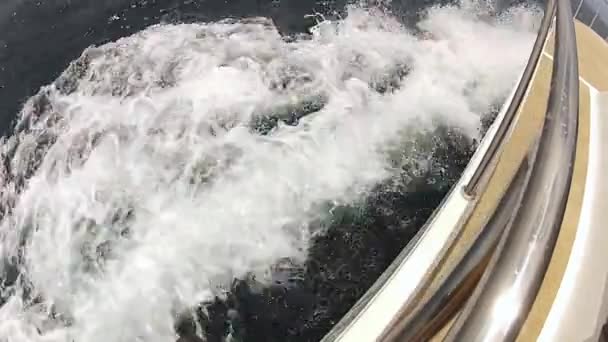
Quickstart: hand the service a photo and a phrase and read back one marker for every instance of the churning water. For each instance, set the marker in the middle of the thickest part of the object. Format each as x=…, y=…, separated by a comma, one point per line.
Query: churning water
x=160, y=167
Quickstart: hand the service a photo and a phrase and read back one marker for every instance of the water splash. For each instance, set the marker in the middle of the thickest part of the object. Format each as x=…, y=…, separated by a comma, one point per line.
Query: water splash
x=160, y=167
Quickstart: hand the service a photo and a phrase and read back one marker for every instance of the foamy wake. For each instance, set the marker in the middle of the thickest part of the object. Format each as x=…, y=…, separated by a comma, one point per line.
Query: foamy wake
x=151, y=173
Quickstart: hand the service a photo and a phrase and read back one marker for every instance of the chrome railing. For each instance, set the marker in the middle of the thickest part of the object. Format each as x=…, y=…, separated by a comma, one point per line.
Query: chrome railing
x=454, y=291
x=528, y=218
x=473, y=185
x=457, y=286
x=514, y=248
x=500, y=304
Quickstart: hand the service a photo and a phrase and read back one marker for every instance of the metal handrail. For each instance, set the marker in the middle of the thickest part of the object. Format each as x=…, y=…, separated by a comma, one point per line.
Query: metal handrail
x=449, y=296
x=478, y=256
x=507, y=290
x=491, y=154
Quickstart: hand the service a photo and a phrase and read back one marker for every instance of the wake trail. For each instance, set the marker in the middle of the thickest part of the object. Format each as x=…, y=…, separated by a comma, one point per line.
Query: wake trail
x=158, y=168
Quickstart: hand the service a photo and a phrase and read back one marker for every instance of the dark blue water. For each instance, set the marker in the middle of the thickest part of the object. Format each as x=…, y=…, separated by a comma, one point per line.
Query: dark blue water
x=39, y=38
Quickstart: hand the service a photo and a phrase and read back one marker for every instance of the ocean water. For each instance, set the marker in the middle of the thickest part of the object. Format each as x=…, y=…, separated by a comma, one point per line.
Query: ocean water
x=230, y=170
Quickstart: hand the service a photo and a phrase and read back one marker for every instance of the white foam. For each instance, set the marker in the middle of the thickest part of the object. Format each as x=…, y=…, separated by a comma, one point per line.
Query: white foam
x=156, y=113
